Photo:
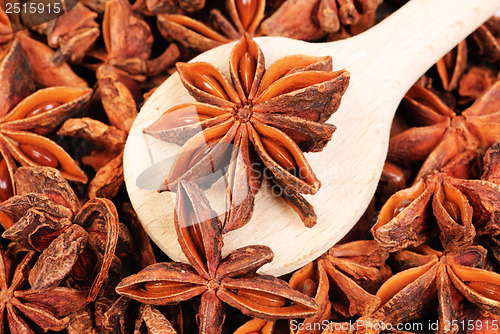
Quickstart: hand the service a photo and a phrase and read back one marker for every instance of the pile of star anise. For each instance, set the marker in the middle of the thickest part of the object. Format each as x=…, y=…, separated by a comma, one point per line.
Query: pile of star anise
x=74, y=258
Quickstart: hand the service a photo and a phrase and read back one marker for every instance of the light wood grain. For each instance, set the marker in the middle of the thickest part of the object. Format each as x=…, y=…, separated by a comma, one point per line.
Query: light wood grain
x=384, y=62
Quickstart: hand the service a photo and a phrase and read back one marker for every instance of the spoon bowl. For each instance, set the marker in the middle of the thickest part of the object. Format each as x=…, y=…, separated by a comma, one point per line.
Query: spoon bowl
x=383, y=62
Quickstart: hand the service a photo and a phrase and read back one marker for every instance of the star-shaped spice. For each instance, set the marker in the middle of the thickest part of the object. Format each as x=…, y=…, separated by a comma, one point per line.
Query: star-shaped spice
x=23, y=310
x=46, y=217
x=73, y=33
x=406, y=219
x=26, y=119
x=443, y=133
x=341, y=282
x=299, y=19
x=231, y=280
x=128, y=43
x=459, y=204
x=455, y=279
x=115, y=88
x=246, y=15
x=46, y=67
x=260, y=124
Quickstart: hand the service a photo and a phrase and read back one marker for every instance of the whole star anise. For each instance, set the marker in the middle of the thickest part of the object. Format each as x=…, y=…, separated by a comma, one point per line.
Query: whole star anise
x=408, y=218
x=24, y=310
x=453, y=279
x=24, y=127
x=261, y=123
x=231, y=280
x=443, y=133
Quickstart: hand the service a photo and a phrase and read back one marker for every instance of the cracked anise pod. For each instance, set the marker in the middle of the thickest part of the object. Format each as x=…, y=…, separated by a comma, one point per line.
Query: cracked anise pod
x=129, y=316
x=444, y=134
x=73, y=33
x=25, y=310
x=46, y=217
x=128, y=40
x=261, y=122
x=114, y=88
x=231, y=280
x=45, y=69
x=313, y=19
x=23, y=129
x=245, y=14
x=474, y=83
x=453, y=278
x=406, y=218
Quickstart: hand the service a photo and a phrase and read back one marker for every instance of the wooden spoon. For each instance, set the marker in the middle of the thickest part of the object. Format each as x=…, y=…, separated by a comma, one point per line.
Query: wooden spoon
x=384, y=62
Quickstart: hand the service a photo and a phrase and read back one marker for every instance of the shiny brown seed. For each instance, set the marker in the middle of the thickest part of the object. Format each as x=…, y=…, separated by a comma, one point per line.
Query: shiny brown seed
x=39, y=155
x=210, y=85
x=6, y=190
x=280, y=155
x=487, y=289
x=180, y=118
x=401, y=206
x=246, y=10
x=42, y=107
x=308, y=287
x=262, y=298
x=246, y=71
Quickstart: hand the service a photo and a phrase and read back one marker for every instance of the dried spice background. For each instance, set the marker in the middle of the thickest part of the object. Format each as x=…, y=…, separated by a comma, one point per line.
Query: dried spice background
x=75, y=259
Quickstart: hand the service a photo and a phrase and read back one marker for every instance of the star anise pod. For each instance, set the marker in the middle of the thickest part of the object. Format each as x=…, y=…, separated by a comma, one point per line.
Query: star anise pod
x=337, y=282
x=24, y=127
x=15, y=74
x=72, y=34
x=474, y=82
x=231, y=280
x=114, y=89
x=314, y=19
x=126, y=315
x=154, y=7
x=246, y=16
x=129, y=316
x=408, y=218
x=452, y=279
x=128, y=41
x=24, y=310
x=443, y=133
x=46, y=217
x=264, y=120
x=46, y=70
x=487, y=38
x=452, y=65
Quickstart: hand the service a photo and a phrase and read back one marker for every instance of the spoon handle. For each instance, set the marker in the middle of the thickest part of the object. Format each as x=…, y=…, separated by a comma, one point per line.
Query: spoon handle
x=407, y=43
